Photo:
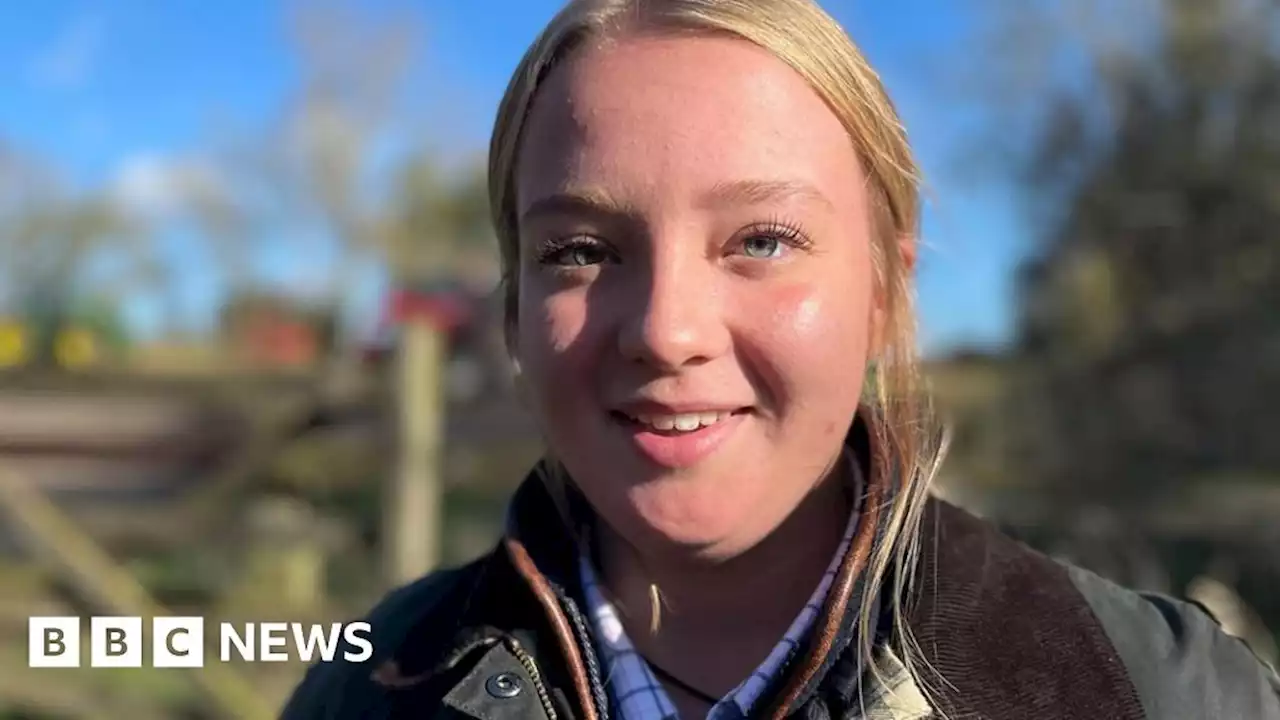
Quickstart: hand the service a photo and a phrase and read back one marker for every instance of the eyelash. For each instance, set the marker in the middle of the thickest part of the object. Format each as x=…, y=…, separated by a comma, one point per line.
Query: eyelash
x=556, y=247
x=781, y=230
x=788, y=233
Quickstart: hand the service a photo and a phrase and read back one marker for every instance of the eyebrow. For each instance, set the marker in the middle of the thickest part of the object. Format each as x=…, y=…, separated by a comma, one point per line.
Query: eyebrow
x=759, y=192
x=595, y=201
x=584, y=201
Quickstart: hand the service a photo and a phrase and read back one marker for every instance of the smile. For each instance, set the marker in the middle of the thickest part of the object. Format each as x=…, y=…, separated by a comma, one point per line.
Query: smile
x=682, y=422
x=676, y=440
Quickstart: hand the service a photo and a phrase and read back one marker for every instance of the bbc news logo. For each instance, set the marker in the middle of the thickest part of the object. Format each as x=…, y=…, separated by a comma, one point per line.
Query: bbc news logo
x=179, y=642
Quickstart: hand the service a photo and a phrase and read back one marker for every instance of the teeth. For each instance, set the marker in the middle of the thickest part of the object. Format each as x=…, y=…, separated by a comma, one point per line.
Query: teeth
x=684, y=422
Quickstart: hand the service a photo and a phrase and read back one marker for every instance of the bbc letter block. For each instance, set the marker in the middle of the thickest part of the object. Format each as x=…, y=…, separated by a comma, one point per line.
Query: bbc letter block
x=53, y=642
x=177, y=642
x=115, y=642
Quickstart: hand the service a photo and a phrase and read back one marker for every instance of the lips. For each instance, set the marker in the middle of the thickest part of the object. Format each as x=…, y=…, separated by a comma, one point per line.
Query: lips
x=679, y=439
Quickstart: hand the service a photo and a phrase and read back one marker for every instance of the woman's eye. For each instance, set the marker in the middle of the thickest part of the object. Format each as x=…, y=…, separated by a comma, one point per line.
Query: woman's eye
x=576, y=255
x=762, y=247
x=582, y=256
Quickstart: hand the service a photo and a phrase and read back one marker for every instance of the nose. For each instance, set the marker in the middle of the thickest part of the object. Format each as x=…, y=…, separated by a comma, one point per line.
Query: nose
x=675, y=318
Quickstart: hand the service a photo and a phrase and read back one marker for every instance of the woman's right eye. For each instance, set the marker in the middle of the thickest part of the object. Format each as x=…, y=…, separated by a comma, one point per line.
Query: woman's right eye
x=574, y=252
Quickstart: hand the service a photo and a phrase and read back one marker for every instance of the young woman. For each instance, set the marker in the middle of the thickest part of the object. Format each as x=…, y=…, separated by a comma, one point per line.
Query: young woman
x=708, y=216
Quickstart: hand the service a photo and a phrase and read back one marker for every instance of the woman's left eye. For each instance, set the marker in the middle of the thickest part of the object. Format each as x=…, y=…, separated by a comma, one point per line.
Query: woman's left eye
x=762, y=247
x=770, y=241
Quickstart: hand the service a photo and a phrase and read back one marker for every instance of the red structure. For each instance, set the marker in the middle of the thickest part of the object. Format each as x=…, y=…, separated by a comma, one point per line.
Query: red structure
x=279, y=342
x=447, y=311
x=270, y=332
x=448, y=308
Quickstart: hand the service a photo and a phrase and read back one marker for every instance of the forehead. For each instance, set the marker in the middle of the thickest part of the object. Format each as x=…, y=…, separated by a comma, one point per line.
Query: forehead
x=669, y=116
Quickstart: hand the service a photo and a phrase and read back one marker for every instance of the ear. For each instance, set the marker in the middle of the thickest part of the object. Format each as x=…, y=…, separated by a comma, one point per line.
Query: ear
x=509, y=340
x=907, y=250
x=518, y=382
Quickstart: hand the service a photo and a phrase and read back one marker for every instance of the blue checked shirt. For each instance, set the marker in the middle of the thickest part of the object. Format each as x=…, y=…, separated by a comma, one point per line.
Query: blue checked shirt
x=634, y=690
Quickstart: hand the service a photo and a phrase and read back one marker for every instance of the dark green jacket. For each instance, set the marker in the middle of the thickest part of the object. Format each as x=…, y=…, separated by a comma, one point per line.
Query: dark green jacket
x=1011, y=634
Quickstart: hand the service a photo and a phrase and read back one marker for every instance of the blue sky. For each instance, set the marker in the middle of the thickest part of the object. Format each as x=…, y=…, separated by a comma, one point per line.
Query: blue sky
x=97, y=87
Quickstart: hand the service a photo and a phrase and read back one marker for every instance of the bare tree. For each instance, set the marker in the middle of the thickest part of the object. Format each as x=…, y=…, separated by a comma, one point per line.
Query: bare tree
x=63, y=250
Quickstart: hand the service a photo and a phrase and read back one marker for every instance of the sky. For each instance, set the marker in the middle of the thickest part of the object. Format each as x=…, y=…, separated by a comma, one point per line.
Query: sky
x=106, y=92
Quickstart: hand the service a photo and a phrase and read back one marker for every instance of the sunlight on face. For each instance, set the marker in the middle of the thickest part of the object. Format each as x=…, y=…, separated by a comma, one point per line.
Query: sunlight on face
x=694, y=287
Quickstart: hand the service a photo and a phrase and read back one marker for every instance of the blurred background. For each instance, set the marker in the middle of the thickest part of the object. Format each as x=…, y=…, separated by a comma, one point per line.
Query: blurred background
x=250, y=363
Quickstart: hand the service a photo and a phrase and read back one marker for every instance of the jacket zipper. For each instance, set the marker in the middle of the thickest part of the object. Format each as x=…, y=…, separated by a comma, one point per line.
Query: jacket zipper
x=531, y=667
x=588, y=651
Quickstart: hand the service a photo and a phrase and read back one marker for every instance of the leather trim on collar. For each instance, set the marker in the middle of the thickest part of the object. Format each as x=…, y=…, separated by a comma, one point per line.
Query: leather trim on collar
x=528, y=571
x=827, y=631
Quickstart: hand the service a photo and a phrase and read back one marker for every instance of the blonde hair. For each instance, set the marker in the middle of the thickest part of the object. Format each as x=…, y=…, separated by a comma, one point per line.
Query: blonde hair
x=802, y=35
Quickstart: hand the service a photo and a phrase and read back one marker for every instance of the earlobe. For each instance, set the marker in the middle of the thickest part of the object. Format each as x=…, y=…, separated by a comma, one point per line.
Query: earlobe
x=520, y=387
x=908, y=250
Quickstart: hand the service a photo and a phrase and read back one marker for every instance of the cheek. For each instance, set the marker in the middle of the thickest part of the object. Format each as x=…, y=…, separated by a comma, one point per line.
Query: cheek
x=810, y=322
x=811, y=348
x=554, y=343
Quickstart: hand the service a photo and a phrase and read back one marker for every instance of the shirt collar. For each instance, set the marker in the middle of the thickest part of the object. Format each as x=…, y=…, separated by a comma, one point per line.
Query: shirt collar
x=636, y=692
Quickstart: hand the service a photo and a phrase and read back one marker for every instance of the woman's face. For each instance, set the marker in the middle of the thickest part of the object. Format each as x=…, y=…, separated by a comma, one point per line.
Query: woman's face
x=695, y=285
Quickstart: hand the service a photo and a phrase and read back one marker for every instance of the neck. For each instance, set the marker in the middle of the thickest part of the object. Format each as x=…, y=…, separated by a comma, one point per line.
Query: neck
x=719, y=620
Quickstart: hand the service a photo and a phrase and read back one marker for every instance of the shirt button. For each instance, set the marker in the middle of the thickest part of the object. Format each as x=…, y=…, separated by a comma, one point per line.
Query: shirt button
x=503, y=685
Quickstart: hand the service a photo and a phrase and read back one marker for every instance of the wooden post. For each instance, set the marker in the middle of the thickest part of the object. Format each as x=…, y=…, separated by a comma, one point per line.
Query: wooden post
x=414, y=502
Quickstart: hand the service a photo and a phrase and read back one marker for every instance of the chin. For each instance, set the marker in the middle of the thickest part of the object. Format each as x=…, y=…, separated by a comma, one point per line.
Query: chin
x=695, y=518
